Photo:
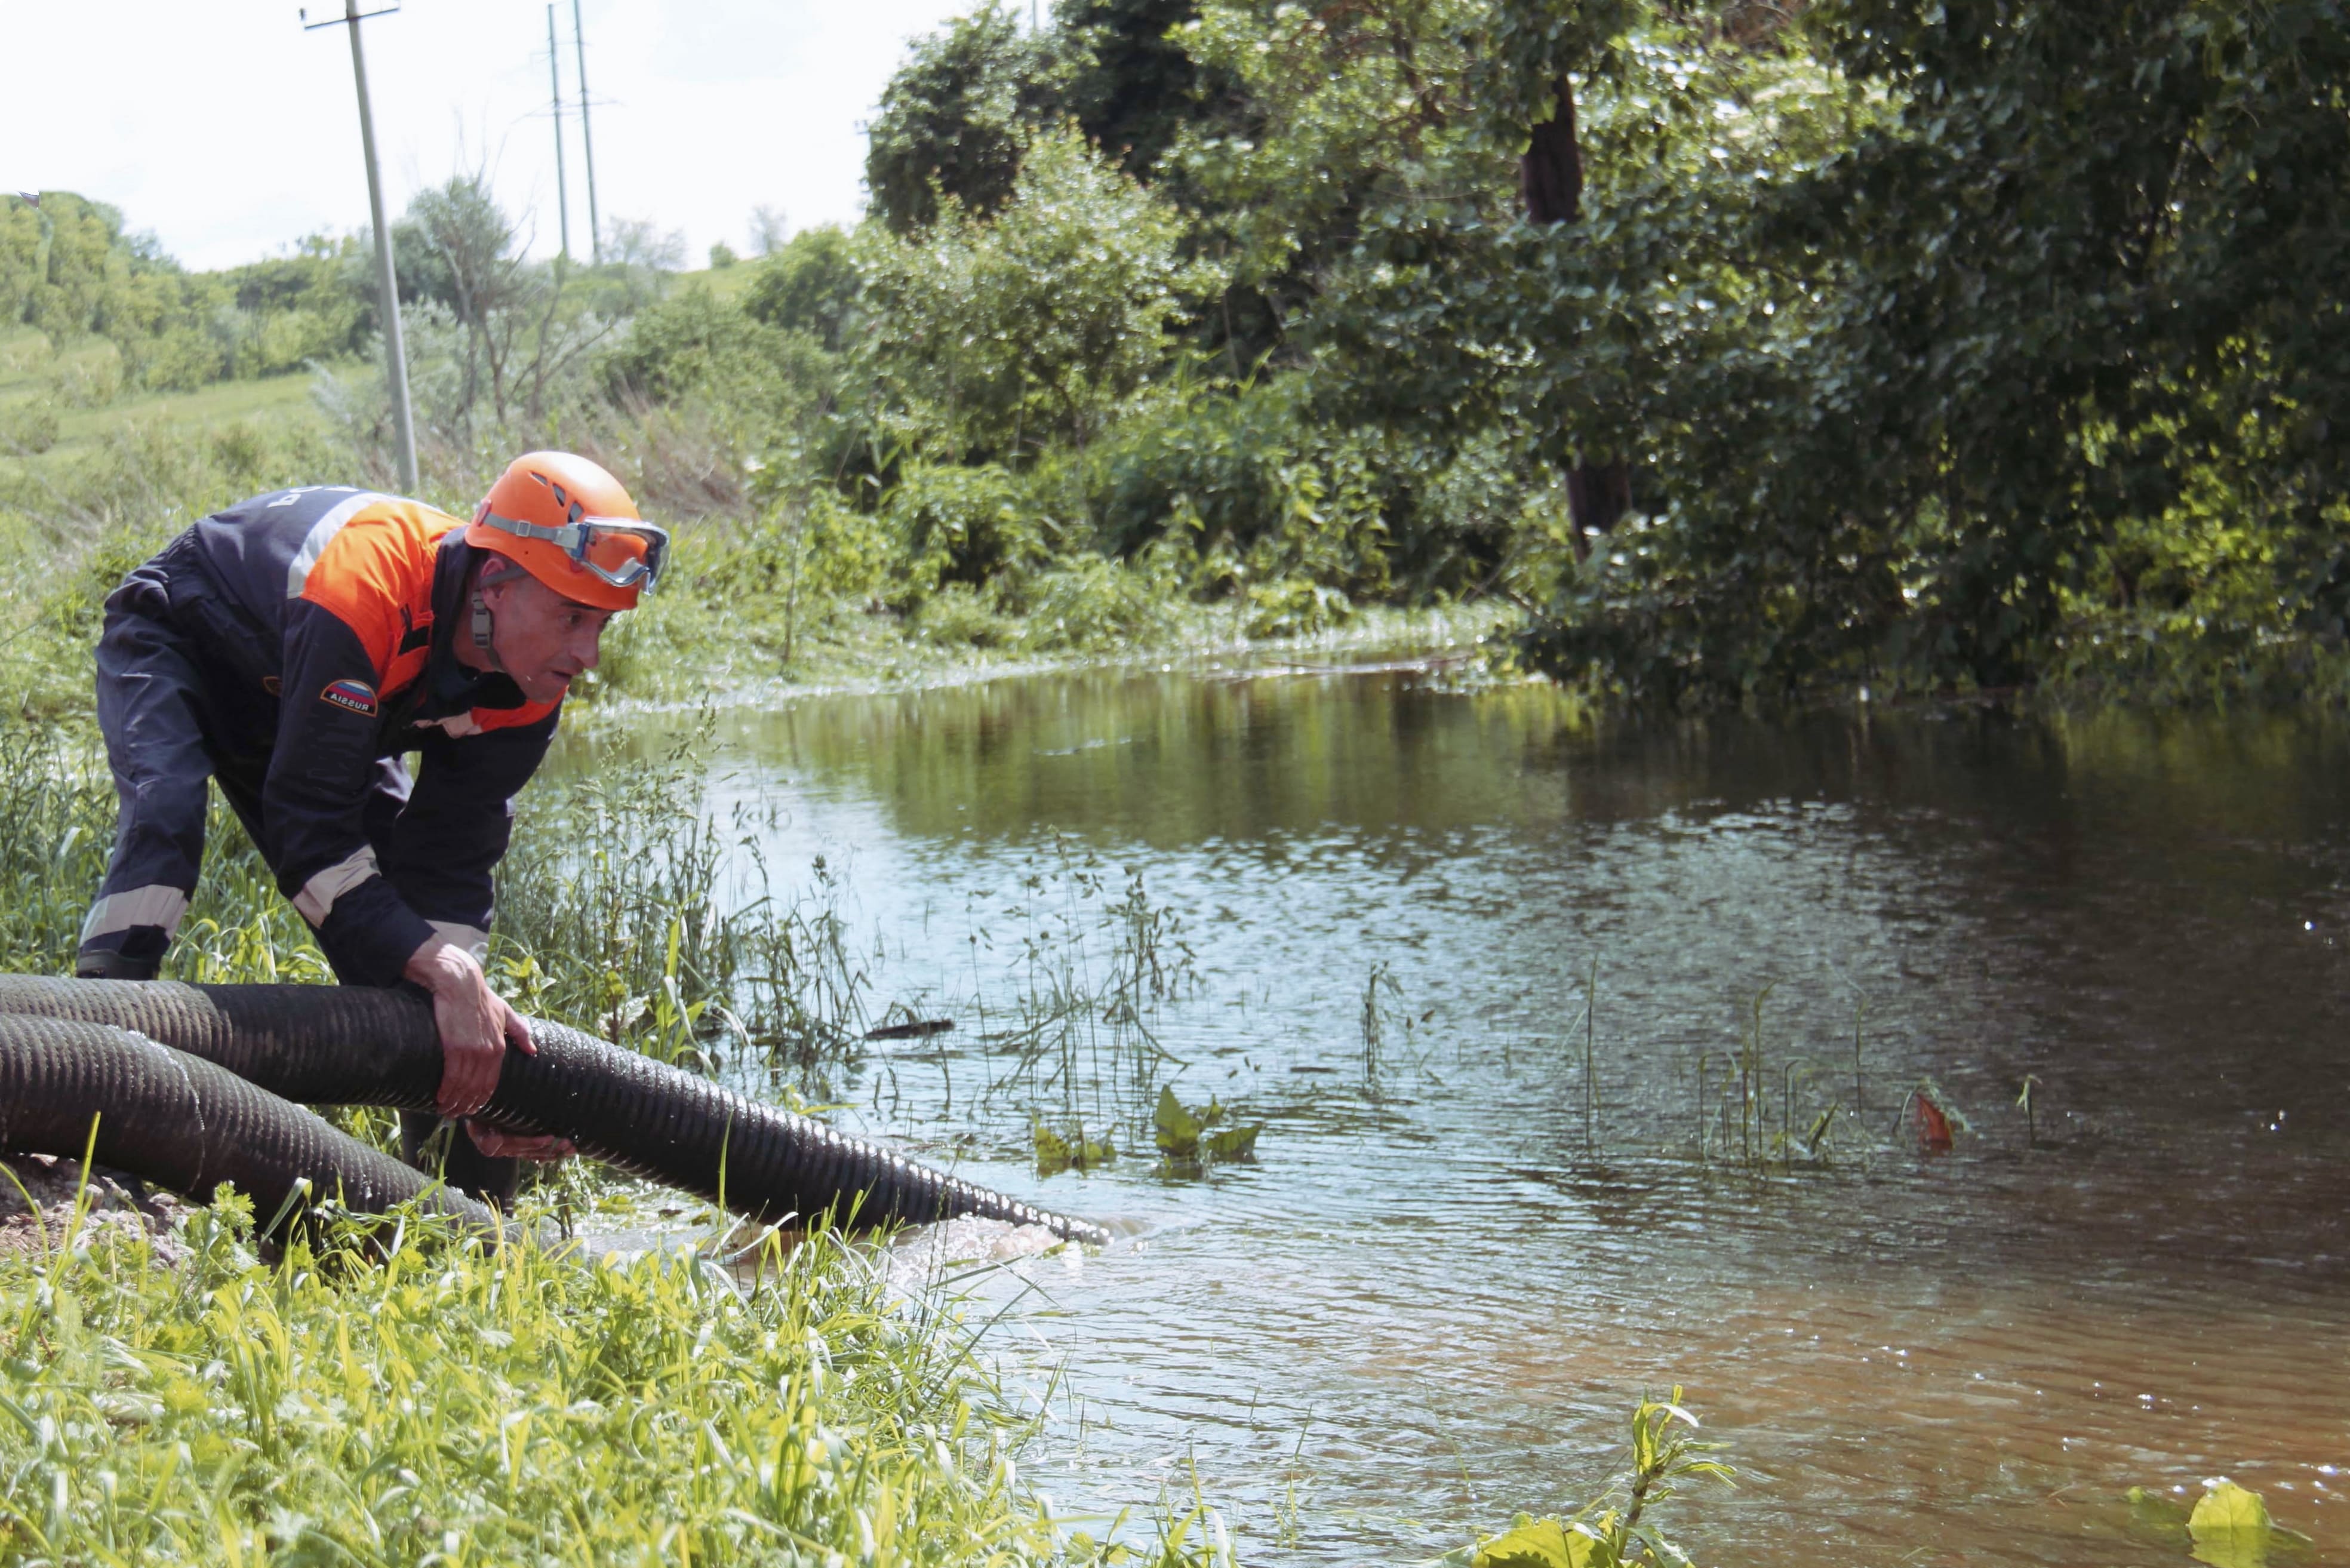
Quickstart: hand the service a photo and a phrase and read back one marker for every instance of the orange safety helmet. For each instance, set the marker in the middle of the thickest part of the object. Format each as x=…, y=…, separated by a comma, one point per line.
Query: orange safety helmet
x=570, y=524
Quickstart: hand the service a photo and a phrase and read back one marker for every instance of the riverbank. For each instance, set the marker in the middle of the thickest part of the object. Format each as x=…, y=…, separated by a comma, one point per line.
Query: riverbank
x=725, y=628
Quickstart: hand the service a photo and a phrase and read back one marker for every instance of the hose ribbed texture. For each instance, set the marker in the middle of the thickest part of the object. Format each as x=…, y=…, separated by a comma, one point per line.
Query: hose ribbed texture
x=178, y=1121
x=360, y=1046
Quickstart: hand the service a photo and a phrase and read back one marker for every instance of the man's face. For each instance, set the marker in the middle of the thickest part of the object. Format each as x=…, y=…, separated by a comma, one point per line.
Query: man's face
x=541, y=639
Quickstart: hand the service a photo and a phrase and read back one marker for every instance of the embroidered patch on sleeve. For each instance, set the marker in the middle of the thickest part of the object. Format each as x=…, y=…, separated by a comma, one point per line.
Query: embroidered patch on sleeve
x=356, y=696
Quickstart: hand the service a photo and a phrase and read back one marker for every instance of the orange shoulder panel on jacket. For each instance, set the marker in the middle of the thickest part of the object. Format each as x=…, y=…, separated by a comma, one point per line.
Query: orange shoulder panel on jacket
x=377, y=565
x=513, y=718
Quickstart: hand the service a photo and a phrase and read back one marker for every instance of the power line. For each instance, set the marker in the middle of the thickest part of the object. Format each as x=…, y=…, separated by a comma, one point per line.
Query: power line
x=587, y=138
x=395, y=350
x=555, y=88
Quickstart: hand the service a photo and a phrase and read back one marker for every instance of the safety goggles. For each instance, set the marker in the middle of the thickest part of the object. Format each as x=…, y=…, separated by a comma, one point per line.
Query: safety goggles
x=622, y=551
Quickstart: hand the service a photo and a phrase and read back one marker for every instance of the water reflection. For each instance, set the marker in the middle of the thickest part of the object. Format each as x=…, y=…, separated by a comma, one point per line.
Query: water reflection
x=1434, y=1297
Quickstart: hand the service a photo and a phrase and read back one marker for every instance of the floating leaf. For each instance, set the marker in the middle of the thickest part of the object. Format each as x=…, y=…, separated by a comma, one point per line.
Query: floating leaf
x=1933, y=1126
x=1535, y=1544
x=1188, y=1134
x=1934, y=1118
x=2231, y=1527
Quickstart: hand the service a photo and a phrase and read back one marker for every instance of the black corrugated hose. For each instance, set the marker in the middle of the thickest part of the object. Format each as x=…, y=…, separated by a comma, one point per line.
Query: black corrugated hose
x=359, y=1046
x=181, y=1122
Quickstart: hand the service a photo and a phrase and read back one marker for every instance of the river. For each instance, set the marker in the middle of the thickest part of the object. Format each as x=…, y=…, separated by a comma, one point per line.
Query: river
x=1457, y=1259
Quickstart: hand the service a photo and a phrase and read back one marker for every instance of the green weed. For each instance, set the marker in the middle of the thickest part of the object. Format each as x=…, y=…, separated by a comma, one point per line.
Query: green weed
x=1058, y=1151
x=1191, y=1137
x=1617, y=1528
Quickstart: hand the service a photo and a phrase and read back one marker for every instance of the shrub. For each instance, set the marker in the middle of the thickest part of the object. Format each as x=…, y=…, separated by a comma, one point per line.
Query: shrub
x=809, y=285
x=961, y=526
x=1042, y=323
x=28, y=426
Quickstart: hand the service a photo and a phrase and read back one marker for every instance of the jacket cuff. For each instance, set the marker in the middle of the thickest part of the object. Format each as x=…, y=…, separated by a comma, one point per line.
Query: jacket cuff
x=367, y=929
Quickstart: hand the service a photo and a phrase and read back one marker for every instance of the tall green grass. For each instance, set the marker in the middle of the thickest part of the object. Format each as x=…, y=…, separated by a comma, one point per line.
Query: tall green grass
x=435, y=1402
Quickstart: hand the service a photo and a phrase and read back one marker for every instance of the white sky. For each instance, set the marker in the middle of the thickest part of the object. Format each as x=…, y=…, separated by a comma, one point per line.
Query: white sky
x=230, y=132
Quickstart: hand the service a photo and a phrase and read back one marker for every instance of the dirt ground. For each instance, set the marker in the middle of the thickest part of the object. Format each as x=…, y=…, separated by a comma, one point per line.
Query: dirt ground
x=117, y=1202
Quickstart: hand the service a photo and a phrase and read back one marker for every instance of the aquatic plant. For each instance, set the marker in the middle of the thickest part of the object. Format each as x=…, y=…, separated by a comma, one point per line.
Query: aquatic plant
x=1739, y=1113
x=1195, y=1135
x=1384, y=1011
x=1733, y=1121
x=1075, y=1007
x=1591, y=1060
x=2227, y=1527
x=1616, y=1529
x=1071, y=1149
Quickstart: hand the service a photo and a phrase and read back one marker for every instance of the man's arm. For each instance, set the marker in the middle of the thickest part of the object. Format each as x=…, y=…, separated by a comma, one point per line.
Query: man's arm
x=314, y=797
x=314, y=815
x=442, y=857
x=443, y=852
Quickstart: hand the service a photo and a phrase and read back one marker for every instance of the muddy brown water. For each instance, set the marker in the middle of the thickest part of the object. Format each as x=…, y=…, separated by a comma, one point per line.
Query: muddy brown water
x=1436, y=1293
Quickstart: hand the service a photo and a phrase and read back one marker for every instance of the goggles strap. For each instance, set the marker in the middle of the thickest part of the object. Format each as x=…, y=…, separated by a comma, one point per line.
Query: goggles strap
x=567, y=537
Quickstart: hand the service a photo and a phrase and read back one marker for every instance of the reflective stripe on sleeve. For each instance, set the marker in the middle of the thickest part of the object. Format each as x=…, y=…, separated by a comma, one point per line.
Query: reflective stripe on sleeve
x=155, y=905
x=317, y=898
x=472, y=938
x=321, y=534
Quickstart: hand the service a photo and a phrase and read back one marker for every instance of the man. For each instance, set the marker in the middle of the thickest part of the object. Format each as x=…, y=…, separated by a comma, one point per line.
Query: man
x=295, y=647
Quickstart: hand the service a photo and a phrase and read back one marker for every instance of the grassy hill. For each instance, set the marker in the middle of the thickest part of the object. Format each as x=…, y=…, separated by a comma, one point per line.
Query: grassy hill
x=54, y=407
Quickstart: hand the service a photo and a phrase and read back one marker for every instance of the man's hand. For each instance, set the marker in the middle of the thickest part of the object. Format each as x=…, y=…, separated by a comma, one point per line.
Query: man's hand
x=517, y=1145
x=475, y=1026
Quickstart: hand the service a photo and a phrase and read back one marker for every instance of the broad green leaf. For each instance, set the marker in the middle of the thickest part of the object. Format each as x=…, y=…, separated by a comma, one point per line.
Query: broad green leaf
x=1056, y=1153
x=1235, y=1143
x=2229, y=1527
x=1540, y=1543
x=1177, y=1128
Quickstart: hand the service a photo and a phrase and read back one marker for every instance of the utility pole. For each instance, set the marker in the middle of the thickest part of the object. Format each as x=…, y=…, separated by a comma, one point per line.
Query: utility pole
x=395, y=351
x=587, y=142
x=554, y=85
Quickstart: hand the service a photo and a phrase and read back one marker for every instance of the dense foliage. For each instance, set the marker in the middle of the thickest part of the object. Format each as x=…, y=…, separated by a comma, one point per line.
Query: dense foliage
x=1749, y=346
x=1753, y=346
x=68, y=269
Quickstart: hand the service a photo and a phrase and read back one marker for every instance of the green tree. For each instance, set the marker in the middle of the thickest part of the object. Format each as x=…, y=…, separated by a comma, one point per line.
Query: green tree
x=1137, y=85
x=956, y=118
x=1043, y=322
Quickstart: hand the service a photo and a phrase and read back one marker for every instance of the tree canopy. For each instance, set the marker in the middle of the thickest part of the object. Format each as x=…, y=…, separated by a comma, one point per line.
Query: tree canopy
x=1939, y=340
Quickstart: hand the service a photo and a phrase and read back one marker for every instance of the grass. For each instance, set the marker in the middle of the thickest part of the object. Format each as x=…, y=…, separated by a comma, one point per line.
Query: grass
x=439, y=1403
x=30, y=380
